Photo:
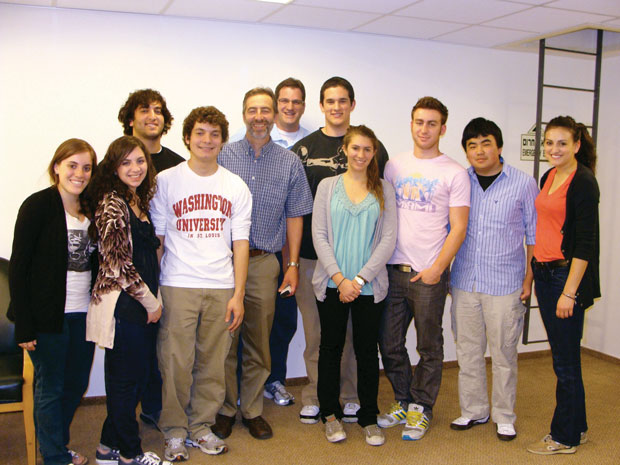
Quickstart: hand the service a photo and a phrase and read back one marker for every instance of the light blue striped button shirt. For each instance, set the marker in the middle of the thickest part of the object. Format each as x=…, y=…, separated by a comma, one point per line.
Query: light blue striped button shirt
x=279, y=188
x=492, y=257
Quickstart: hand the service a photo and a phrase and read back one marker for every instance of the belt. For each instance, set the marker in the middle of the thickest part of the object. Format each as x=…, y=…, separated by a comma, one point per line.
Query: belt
x=401, y=267
x=257, y=252
x=550, y=265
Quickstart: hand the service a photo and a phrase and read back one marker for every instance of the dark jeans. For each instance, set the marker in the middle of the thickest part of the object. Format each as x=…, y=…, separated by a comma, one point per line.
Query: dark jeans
x=365, y=317
x=424, y=304
x=282, y=332
x=62, y=364
x=564, y=334
x=151, y=396
x=126, y=368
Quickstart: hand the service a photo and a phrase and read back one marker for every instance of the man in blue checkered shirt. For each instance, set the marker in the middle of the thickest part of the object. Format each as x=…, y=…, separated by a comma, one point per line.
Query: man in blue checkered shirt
x=280, y=198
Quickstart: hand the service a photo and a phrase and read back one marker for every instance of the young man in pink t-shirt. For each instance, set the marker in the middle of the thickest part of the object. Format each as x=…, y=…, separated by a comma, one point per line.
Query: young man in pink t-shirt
x=432, y=199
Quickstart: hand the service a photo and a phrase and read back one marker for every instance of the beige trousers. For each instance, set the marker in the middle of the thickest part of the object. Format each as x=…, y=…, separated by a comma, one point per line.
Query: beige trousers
x=192, y=346
x=478, y=319
x=260, y=303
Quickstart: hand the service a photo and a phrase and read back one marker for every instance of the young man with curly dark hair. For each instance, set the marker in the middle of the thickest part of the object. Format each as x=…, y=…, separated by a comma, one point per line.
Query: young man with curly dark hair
x=145, y=115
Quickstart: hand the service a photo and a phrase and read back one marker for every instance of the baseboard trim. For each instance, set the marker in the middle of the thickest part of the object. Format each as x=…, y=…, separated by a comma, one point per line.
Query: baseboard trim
x=299, y=381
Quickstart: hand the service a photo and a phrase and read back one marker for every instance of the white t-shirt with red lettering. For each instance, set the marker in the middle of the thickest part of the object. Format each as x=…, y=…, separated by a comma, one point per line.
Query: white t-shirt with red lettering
x=425, y=189
x=200, y=217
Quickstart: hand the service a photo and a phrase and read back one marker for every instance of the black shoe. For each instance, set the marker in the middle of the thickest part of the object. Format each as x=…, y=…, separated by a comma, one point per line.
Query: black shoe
x=223, y=426
x=463, y=423
x=258, y=427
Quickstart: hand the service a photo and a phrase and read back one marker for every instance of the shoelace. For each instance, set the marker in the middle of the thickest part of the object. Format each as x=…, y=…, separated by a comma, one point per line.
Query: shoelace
x=395, y=407
x=148, y=459
x=414, y=418
x=175, y=442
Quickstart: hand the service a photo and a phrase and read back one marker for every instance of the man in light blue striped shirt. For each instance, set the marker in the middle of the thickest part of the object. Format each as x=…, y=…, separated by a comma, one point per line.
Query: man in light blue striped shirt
x=491, y=277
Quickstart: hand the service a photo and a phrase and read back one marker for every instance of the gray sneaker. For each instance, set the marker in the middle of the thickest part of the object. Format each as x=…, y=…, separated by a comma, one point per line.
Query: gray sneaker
x=175, y=450
x=334, y=432
x=278, y=393
x=374, y=435
x=209, y=444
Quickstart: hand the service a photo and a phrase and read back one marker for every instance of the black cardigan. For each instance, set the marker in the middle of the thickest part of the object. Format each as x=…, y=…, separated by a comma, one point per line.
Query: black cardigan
x=38, y=266
x=581, y=230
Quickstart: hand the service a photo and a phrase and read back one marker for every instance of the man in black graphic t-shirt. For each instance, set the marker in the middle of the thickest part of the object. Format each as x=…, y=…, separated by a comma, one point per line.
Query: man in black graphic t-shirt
x=322, y=156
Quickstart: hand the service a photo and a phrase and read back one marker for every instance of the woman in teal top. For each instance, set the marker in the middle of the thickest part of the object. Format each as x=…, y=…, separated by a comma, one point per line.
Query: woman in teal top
x=354, y=234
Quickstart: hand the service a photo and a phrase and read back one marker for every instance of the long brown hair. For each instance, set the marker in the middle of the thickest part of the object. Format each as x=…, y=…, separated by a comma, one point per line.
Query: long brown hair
x=107, y=179
x=372, y=171
x=65, y=150
x=587, y=151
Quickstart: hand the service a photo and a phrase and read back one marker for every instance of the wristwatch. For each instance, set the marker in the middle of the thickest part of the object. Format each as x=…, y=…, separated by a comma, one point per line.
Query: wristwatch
x=295, y=264
x=359, y=280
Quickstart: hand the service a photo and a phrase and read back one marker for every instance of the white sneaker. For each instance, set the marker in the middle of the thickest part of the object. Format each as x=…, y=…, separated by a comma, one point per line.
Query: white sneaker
x=309, y=414
x=463, y=423
x=174, y=449
x=374, y=435
x=506, y=431
x=349, y=412
x=395, y=416
x=417, y=423
x=209, y=444
x=334, y=432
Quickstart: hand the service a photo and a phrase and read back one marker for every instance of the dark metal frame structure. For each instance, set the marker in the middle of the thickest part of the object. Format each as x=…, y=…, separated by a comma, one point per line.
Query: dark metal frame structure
x=598, y=55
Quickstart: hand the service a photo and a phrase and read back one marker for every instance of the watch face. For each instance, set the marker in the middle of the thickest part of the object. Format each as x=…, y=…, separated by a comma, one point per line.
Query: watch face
x=359, y=280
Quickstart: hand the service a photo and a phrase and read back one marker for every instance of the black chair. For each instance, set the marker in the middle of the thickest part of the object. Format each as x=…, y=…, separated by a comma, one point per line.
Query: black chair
x=16, y=370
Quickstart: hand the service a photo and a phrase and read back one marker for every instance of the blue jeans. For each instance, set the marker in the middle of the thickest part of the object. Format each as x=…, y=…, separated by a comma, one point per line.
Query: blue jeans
x=564, y=334
x=126, y=368
x=424, y=304
x=282, y=332
x=365, y=317
x=62, y=364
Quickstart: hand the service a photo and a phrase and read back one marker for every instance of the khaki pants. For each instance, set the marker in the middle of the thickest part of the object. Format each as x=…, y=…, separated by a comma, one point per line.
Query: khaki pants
x=478, y=319
x=259, y=302
x=192, y=346
x=312, y=332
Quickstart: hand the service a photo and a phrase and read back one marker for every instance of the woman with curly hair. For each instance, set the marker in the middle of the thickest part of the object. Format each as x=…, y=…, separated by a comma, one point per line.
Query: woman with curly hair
x=566, y=271
x=124, y=306
x=50, y=276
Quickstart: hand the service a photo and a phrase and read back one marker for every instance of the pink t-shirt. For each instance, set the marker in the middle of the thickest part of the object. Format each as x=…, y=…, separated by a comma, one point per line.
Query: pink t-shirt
x=425, y=189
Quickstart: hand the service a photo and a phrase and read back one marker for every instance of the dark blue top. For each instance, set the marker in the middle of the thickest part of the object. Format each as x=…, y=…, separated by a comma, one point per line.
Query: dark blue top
x=144, y=257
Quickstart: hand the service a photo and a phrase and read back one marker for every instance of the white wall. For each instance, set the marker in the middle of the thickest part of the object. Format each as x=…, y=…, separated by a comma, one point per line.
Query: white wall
x=66, y=73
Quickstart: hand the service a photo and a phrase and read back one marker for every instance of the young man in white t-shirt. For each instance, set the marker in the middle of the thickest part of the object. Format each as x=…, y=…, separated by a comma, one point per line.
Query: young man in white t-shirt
x=432, y=197
x=201, y=213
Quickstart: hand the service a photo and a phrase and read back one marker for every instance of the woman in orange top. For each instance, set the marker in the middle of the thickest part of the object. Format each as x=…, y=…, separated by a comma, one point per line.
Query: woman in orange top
x=566, y=276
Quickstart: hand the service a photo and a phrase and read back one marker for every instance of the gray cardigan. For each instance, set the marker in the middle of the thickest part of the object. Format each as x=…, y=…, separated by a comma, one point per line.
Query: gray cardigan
x=323, y=238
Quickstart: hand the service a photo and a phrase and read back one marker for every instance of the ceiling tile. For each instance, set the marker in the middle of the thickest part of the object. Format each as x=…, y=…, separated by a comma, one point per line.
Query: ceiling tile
x=234, y=10
x=409, y=27
x=529, y=2
x=134, y=6
x=470, y=11
x=321, y=18
x=604, y=7
x=543, y=20
x=372, y=6
x=482, y=36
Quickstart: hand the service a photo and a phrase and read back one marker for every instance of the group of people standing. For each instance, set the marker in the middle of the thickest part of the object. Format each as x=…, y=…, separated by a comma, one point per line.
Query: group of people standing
x=191, y=279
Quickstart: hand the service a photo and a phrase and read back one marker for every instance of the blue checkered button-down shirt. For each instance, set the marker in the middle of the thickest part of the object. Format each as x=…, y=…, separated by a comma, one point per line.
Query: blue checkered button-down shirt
x=278, y=185
x=492, y=257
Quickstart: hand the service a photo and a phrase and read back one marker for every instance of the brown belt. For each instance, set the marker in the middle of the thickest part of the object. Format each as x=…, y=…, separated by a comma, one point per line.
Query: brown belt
x=550, y=265
x=403, y=268
x=257, y=252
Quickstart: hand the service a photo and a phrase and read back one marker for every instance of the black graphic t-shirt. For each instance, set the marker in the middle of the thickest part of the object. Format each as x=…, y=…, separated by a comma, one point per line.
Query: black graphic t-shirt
x=322, y=157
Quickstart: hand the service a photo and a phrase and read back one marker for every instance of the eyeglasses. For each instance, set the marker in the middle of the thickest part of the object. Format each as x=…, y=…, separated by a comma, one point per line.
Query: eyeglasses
x=285, y=101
